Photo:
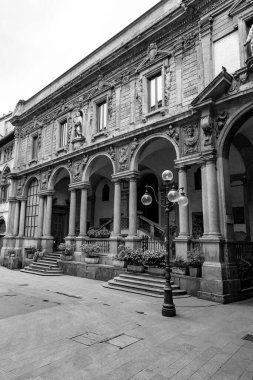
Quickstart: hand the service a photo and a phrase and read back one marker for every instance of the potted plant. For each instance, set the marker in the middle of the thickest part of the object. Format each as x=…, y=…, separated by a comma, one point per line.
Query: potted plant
x=179, y=266
x=67, y=254
x=104, y=233
x=119, y=259
x=61, y=247
x=155, y=261
x=134, y=260
x=195, y=261
x=91, y=252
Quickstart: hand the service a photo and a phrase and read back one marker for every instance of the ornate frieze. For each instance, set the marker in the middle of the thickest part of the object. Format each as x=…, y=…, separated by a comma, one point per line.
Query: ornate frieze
x=190, y=139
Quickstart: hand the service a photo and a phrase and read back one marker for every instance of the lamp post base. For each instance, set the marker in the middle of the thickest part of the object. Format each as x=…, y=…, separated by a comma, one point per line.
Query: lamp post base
x=168, y=310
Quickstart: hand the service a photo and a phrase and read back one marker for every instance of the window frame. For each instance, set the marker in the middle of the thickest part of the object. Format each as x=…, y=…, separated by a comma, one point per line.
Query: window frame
x=150, y=80
x=100, y=106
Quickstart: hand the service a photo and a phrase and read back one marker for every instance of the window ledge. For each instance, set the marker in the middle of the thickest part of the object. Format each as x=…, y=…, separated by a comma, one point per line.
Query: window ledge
x=162, y=111
x=99, y=134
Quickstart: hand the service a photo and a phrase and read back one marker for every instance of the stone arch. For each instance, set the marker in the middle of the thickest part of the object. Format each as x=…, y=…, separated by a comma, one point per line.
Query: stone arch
x=145, y=142
x=28, y=182
x=55, y=173
x=234, y=123
x=90, y=165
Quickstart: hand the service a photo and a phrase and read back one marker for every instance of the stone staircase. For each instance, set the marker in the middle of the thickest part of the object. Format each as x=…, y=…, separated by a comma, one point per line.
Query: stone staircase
x=46, y=266
x=143, y=284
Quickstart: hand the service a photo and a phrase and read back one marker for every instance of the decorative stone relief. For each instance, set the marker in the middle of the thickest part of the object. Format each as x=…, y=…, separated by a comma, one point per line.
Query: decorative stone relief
x=63, y=108
x=125, y=77
x=191, y=136
x=77, y=170
x=173, y=133
x=101, y=83
x=220, y=122
x=207, y=126
x=168, y=79
x=123, y=157
x=44, y=179
x=20, y=186
x=152, y=53
x=138, y=93
x=240, y=77
x=69, y=165
x=109, y=106
x=189, y=40
x=133, y=146
x=85, y=160
x=111, y=152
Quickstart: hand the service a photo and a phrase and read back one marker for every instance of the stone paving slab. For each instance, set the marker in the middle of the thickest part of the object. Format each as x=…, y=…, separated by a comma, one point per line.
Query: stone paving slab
x=86, y=331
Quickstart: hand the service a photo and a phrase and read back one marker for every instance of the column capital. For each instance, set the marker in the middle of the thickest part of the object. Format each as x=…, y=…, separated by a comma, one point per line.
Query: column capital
x=208, y=157
x=12, y=199
x=125, y=175
x=21, y=199
x=79, y=185
x=49, y=193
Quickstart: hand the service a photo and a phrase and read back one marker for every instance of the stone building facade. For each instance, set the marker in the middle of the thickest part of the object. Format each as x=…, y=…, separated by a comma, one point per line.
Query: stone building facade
x=173, y=91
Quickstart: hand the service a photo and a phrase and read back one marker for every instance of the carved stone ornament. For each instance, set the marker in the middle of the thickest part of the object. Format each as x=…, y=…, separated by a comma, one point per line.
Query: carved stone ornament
x=78, y=124
x=69, y=164
x=44, y=179
x=77, y=170
x=63, y=108
x=111, y=152
x=167, y=79
x=239, y=78
x=20, y=186
x=171, y=132
x=207, y=126
x=191, y=137
x=123, y=157
x=125, y=77
x=189, y=40
x=220, y=122
x=133, y=146
x=152, y=53
x=101, y=83
x=138, y=93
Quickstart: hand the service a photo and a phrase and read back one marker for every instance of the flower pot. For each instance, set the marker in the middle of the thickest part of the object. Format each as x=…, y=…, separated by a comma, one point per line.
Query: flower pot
x=177, y=270
x=91, y=260
x=118, y=263
x=66, y=258
x=195, y=272
x=156, y=271
x=135, y=268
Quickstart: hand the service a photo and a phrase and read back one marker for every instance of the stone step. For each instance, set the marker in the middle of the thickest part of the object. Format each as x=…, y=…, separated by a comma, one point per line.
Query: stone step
x=146, y=289
x=150, y=284
x=41, y=273
x=176, y=293
x=46, y=263
x=144, y=277
x=43, y=269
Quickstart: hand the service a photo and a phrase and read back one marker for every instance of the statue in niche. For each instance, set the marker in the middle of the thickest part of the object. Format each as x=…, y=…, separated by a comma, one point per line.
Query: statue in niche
x=250, y=39
x=191, y=140
x=78, y=124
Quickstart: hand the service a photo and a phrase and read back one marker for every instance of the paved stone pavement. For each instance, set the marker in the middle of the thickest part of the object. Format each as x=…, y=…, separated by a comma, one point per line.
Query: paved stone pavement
x=73, y=328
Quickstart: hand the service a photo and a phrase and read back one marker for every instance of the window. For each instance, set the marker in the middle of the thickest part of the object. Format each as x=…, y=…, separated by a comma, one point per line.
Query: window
x=63, y=134
x=32, y=208
x=155, y=92
x=4, y=186
x=35, y=147
x=226, y=53
x=4, y=193
x=102, y=116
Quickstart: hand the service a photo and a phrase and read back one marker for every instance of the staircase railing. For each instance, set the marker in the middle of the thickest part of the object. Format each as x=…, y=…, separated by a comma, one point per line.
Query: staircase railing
x=103, y=243
x=150, y=227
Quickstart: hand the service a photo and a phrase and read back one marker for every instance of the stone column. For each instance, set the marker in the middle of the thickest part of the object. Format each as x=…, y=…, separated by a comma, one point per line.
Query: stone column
x=22, y=218
x=72, y=213
x=83, y=212
x=183, y=210
x=133, y=206
x=204, y=200
x=49, y=214
x=39, y=230
x=16, y=218
x=212, y=198
x=9, y=230
x=117, y=209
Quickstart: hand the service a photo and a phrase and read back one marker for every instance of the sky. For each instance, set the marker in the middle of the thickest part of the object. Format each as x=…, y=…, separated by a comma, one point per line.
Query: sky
x=41, y=39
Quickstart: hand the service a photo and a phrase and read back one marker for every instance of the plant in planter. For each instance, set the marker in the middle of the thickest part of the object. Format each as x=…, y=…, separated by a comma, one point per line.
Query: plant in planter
x=119, y=259
x=91, y=252
x=155, y=261
x=67, y=252
x=134, y=260
x=104, y=233
x=195, y=262
x=179, y=266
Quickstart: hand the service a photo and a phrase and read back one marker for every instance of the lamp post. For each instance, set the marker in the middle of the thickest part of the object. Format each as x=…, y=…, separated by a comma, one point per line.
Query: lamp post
x=171, y=196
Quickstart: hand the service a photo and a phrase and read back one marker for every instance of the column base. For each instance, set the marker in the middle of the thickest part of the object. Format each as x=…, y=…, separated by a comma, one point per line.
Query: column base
x=182, y=245
x=133, y=242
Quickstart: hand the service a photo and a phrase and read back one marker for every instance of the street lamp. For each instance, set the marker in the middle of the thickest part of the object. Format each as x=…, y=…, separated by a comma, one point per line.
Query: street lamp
x=171, y=196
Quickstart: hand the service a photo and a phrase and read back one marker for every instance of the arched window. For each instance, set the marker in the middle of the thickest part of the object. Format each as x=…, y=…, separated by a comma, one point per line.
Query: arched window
x=32, y=208
x=105, y=193
x=4, y=185
x=2, y=227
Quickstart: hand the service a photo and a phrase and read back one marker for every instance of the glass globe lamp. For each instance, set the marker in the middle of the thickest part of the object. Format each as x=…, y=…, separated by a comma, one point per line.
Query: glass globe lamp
x=173, y=195
x=167, y=175
x=183, y=200
x=146, y=199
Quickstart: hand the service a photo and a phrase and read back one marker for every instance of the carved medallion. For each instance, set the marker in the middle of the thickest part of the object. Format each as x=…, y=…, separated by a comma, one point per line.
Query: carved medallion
x=190, y=139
